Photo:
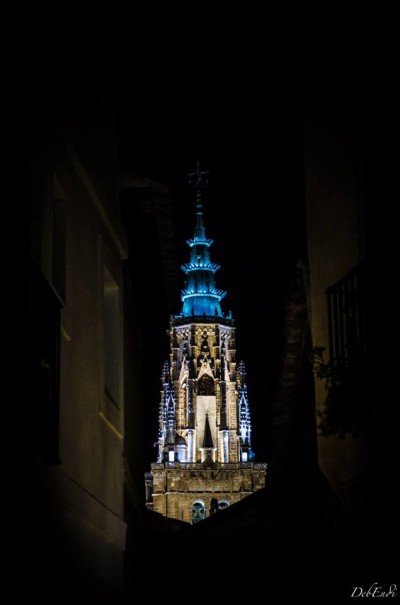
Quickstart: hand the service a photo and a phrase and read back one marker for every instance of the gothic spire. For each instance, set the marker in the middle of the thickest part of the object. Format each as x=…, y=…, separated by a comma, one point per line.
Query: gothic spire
x=199, y=181
x=224, y=416
x=200, y=297
x=244, y=409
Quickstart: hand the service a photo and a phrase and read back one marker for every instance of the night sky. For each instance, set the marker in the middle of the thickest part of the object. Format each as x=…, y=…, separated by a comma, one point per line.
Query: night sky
x=247, y=132
x=254, y=210
x=242, y=120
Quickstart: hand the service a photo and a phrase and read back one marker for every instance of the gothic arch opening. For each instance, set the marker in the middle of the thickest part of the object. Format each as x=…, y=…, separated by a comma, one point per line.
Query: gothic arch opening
x=198, y=511
x=205, y=386
x=223, y=504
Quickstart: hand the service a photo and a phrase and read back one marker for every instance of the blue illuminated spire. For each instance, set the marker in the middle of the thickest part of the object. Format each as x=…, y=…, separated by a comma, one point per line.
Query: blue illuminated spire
x=200, y=297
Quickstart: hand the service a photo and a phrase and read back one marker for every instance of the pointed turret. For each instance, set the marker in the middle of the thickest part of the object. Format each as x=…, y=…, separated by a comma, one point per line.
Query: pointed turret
x=208, y=440
x=207, y=449
x=167, y=424
x=224, y=421
x=244, y=414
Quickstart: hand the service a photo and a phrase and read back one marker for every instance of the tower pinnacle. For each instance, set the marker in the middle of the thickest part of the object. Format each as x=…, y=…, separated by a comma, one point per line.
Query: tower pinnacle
x=198, y=180
x=200, y=297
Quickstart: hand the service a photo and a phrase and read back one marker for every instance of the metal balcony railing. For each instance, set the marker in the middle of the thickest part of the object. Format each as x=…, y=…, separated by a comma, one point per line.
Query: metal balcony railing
x=347, y=319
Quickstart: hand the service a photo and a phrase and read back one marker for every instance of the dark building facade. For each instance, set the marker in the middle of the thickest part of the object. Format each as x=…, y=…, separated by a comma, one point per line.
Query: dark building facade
x=73, y=356
x=347, y=179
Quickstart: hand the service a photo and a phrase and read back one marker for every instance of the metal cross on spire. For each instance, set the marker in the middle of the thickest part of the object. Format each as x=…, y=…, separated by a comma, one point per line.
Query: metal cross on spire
x=198, y=180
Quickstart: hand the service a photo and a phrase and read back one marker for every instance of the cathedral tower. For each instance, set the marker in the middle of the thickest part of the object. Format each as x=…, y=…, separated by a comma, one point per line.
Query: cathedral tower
x=205, y=460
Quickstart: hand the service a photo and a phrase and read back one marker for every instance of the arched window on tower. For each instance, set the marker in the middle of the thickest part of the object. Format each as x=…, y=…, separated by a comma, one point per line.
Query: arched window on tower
x=206, y=385
x=223, y=504
x=198, y=511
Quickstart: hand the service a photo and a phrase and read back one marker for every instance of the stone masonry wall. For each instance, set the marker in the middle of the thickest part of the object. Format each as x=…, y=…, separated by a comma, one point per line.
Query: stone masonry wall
x=176, y=489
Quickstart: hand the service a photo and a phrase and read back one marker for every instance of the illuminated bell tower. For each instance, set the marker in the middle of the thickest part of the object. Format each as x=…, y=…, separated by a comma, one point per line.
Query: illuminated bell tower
x=204, y=442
